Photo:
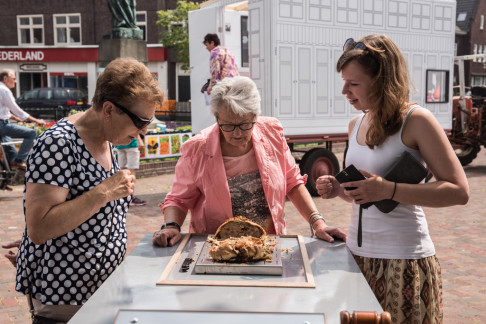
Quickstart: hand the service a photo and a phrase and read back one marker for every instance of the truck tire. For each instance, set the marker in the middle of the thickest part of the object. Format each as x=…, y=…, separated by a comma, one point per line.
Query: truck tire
x=315, y=163
x=467, y=153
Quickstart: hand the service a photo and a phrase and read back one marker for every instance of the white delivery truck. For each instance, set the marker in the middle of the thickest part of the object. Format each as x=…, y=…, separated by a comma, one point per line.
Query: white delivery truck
x=290, y=48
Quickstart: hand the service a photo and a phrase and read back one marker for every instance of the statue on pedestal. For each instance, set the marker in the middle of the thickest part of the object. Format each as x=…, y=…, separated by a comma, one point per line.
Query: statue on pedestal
x=123, y=19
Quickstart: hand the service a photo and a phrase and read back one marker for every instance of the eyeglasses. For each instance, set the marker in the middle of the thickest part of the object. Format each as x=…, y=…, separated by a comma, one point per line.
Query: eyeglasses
x=139, y=122
x=232, y=127
x=349, y=44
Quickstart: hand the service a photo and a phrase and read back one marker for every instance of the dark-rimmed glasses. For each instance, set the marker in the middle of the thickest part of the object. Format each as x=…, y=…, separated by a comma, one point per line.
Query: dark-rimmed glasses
x=349, y=44
x=231, y=127
x=138, y=121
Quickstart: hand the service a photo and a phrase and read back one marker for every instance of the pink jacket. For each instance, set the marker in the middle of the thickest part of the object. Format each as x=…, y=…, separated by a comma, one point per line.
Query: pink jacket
x=200, y=183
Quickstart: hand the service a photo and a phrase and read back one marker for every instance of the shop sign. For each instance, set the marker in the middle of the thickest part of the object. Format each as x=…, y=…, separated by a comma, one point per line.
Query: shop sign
x=33, y=67
x=22, y=55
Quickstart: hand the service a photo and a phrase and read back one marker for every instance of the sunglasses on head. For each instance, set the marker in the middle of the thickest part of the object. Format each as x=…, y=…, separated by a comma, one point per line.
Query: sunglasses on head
x=139, y=122
x=349, y=44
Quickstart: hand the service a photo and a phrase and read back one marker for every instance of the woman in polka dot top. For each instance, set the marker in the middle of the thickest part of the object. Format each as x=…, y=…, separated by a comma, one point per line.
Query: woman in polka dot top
x=76, y=197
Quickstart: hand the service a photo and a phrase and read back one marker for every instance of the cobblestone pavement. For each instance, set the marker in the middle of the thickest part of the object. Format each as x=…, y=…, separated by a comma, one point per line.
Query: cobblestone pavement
x=458, y=233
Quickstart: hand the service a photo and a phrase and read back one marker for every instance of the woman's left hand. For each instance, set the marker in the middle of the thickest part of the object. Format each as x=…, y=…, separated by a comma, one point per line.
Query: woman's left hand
x=328, y=233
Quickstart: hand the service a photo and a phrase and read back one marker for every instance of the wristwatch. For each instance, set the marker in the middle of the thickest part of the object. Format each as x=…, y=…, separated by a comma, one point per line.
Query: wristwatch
x=171, y=224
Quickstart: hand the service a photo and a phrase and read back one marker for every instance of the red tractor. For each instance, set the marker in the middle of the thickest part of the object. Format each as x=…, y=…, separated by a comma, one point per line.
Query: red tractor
x=468, y=131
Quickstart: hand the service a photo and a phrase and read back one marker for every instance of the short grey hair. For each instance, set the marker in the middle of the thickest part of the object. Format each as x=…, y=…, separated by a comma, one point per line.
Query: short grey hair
x=239, y=95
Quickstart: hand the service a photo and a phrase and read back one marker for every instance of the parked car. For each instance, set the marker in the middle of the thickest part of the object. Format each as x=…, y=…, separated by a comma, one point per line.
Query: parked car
x=53, y=103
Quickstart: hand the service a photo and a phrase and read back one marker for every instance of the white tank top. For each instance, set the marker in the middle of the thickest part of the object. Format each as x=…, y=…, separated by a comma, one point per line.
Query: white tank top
x=401, y=234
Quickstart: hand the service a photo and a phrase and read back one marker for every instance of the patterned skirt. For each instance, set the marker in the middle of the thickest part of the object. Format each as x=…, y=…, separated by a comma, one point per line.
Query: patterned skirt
x=410, y=290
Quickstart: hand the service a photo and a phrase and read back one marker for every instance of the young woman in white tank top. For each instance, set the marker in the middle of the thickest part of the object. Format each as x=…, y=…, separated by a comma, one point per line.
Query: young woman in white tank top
x=397, y=255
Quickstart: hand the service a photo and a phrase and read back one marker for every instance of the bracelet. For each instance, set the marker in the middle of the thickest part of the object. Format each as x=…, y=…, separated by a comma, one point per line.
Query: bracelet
x=171, y=224
x=309, y=217
x=315, y=219
x=394, y=190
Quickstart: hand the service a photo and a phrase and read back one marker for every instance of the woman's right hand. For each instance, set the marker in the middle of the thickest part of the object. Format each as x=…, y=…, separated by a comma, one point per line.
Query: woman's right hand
x=166, y=237
x=328, y=187
x=119, y=185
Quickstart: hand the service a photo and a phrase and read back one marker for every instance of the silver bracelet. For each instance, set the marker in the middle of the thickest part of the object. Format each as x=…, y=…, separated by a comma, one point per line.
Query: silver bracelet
x=315, y=219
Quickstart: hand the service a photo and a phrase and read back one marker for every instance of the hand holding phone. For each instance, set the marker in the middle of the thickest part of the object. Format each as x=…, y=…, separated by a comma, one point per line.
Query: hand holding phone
x=349, y=174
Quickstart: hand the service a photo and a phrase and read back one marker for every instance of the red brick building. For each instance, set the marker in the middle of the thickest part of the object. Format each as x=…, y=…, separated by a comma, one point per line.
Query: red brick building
x=471, y=38
x=55, y=43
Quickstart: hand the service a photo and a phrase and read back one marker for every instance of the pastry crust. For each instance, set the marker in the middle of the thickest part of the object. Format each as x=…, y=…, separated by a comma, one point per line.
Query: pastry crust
x=238, y=227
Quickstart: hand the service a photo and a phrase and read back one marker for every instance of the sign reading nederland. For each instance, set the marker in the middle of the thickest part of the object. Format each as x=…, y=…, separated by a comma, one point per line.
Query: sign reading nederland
x=79, y=54
x=49, y=55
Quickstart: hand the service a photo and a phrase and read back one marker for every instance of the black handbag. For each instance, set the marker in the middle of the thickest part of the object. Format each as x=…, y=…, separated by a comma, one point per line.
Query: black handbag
x=406, y=169
x=205, y=86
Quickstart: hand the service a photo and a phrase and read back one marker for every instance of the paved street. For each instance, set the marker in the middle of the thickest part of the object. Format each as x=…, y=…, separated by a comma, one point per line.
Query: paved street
x=458, y=233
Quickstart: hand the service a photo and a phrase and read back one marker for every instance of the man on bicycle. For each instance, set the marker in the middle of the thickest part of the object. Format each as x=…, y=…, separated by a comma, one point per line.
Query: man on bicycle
x=8, y=106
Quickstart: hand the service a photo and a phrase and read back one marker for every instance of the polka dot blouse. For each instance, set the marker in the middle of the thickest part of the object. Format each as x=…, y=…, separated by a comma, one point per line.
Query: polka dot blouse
x=68, y=269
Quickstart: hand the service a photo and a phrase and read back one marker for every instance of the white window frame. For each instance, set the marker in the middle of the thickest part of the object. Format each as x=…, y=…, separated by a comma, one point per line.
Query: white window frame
x=143, y=24
x=31, y=28
x=481, y=23
x=68, y=27
x=475, y=51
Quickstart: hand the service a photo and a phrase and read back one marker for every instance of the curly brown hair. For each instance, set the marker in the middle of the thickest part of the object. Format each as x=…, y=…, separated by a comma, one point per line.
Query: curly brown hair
x=126, y=81
x=383, y=61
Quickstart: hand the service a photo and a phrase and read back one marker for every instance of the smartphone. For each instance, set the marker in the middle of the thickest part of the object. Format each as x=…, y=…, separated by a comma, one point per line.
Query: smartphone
x=349, y=174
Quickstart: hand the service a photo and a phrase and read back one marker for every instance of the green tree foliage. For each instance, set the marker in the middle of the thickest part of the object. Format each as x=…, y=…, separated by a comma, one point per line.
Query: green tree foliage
x=175, y=29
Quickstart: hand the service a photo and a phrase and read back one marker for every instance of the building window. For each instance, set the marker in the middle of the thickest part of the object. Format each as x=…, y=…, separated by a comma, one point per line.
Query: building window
x=142, y=23
x=443, y=18
x=291, y=9
x=462, y=16
x=421, y=16
x=397, y=14
x=481, y=23
x=67, y=29
x=30, y=30
x=320, y=10
x=373, y=13
x=347, y=12
x=475, y=51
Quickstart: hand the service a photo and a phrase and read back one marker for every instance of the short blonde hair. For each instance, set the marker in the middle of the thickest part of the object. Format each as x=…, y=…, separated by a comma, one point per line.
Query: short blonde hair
x=238, y=95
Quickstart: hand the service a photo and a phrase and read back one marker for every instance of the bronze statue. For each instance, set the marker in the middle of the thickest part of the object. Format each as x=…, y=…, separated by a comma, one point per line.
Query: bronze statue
x=123, y=19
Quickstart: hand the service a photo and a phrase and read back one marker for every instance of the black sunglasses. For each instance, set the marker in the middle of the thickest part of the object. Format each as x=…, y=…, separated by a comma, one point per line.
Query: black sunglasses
x=139, y=122
x=349, y=44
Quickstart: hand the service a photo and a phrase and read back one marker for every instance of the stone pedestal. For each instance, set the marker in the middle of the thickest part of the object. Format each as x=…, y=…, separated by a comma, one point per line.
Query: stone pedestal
x=111, y=49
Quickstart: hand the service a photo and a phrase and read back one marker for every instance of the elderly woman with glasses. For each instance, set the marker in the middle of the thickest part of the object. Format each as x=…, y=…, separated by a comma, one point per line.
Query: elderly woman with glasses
x=396, y=255
x=240, y=166
x=76, y=197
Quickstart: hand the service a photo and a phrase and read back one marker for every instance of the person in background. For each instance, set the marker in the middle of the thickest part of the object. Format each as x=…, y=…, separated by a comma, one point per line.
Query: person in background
x=397, y=256
x=240, y=166
x=76, y=197
x=129, y=158
x=221, y=61
x=8, y=106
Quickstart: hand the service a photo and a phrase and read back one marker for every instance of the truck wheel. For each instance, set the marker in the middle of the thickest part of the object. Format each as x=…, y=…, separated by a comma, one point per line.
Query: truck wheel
x=316, y=163
x=467, y=153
